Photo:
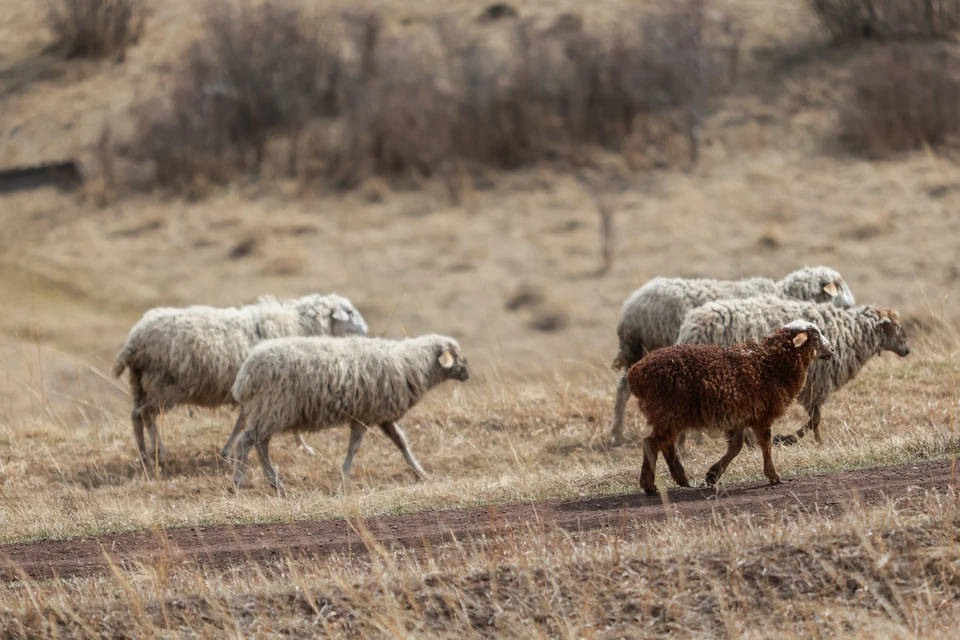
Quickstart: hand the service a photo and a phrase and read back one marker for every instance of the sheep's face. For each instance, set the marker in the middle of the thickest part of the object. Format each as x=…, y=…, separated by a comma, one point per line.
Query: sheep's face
x=453, y=363
x=806, y=335
x=347, y=321
x=893, y=338
x=834, y=290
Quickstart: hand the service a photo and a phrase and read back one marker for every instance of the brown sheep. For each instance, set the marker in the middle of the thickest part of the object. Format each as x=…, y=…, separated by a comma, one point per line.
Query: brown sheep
x=747, y=385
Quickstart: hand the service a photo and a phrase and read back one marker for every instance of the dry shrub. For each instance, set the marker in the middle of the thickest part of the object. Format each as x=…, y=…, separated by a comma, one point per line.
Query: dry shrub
x=904, y=98
x=888, y=19
x=441, y=98
x=258, y=70
x=95, y=28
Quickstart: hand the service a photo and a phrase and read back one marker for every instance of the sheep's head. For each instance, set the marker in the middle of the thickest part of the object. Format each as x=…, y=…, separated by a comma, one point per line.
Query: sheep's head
x=820, y=284
x=451, y=360
x=806, y=335
x=317, y=312
x=893, y=337
x=345, y=320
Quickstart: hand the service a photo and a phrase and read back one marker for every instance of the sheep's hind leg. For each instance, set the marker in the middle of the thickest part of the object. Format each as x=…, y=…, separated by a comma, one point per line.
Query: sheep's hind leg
x=240, y=458
x=648, y=471
x=263, y=451
x=356, y=437
x=734, y=445
x=764, y=441
x=393, y=431
x=237, y=428
x=677, y=471
x=149, y=416
x=619, y=409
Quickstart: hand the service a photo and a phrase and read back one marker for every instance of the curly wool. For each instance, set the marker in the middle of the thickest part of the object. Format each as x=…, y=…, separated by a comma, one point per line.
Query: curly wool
x=308, y=384
x=707, y=387
x=191, y=355
x=652, y=315
x=857, y=336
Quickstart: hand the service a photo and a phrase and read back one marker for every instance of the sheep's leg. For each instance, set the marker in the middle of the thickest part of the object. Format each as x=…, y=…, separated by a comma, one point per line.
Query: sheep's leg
x=765, y=442
x=356, y=437
x=677, y=471
x=263, y=451
x=393, y=431
x=619, y=408
x=813, y=424
x=237, y=428
x=139, y=401
x=734, y=445
x=648, y=472
x=149, y=416
x=240, y=458
x=302, y=444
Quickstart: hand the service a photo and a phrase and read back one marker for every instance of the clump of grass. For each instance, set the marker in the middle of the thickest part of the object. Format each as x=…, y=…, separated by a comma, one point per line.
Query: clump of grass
x=95, y=28
x=903, y=99
x=849, y=20
x=439, y=98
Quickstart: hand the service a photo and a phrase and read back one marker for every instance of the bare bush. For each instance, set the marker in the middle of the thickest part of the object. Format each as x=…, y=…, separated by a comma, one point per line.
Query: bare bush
x=904, y=98
x=95, y=28
x=888, y=19
x=437, y=98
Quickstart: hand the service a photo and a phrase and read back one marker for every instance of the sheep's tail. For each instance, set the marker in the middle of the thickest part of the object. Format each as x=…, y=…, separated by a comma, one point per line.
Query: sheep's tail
x=240, y=388
x=123, y=360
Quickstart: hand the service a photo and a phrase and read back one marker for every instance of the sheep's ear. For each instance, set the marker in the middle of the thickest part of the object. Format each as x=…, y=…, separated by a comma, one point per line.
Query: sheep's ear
x=340, y=314
x=446, y=359
x=799, y=339
x=831, y=290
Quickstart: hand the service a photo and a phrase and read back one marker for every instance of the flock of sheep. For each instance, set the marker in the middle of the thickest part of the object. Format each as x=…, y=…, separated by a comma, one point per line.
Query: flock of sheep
x=726, y=355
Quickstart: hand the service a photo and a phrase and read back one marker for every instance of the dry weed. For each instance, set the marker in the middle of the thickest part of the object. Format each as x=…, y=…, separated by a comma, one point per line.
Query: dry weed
x=95, y=28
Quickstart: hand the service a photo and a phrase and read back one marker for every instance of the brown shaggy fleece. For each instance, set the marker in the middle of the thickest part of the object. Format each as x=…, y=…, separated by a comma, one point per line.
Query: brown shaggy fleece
x=747, y=385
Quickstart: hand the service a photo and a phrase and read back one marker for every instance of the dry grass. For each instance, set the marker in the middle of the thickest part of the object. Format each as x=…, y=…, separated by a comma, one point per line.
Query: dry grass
x=95, y=28
x=888, y=571
x=69, y=466
x=769, y=194
x=903, y=99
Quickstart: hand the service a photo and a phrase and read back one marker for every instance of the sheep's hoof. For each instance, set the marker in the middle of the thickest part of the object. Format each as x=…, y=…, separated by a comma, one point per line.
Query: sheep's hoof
x=775, y=481
x=650, y=492
x=685, y=485
x=613, y=443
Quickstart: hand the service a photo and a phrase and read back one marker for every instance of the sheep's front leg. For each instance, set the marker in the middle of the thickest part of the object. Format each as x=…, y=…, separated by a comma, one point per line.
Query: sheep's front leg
x=393, y=431
x=356, y=437
x=734, y=445
x=619, y=409
x=673, y=463
x=648, y=471
x=765, y=442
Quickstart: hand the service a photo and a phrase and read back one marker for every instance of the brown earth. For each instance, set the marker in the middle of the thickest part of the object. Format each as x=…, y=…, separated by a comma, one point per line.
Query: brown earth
x=223, y=546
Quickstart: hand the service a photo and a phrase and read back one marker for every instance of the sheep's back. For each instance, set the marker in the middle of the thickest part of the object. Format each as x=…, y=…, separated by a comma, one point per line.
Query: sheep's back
x=653, y=314
x=318, y=383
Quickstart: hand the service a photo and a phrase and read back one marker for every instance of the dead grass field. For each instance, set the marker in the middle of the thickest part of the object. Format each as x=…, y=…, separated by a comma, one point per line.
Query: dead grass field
x=773, y=190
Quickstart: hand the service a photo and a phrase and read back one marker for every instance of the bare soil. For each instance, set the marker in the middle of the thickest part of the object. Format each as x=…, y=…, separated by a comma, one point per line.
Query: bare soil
x=224, y=546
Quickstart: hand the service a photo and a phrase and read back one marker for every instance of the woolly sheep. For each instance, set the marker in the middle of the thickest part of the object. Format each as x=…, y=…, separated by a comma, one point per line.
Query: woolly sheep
x=190, y=356
x=309, y=384
x=652, y=315
x=747, y=385
x=857, y=335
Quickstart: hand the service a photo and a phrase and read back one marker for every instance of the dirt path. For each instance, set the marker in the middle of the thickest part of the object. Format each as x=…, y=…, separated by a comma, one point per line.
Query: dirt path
x=225, y=545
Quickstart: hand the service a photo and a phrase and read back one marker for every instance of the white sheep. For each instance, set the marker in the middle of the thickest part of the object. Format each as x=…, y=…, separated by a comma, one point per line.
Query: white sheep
x=652, y=315
x=857, y=334
x=309, y=384
x=190, y=356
